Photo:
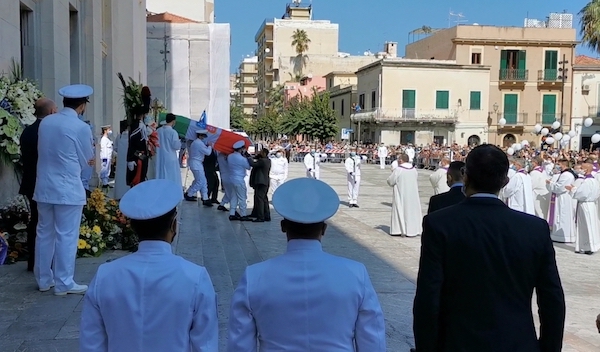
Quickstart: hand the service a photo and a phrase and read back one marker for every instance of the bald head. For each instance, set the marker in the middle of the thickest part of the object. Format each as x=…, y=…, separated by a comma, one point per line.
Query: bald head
x=44, y=107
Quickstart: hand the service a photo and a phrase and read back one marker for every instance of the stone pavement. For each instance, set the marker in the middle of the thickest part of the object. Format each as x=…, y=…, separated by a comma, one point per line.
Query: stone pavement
x=34, y=321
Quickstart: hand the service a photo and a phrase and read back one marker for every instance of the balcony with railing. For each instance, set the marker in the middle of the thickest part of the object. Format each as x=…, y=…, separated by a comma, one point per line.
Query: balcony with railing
x=549, y=79
x=405, y=115
x=513, y=118
x=594, y=111
x=510, y=78
x=545, y=118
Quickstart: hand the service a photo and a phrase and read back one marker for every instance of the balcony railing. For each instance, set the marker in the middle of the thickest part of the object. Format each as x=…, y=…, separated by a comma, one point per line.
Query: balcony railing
x=548, y=75
x=545, y=118
x=594, y=111
x=513, y=118
x=404, y=115
x=515, y=75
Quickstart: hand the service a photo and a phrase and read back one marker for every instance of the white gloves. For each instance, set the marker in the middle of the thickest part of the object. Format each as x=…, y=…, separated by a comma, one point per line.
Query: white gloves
x=131, y=165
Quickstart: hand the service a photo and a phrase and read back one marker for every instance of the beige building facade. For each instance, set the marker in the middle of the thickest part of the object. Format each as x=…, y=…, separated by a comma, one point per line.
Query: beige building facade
x=526, y=86
x=247, y=85
x=586, y=100
x=341, y=86
x=402, y=101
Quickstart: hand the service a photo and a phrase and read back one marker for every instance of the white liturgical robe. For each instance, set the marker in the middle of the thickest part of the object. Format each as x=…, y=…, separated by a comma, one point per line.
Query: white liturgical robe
x=406, y=206
x=561, y=214
x=438, y=181
x=541, y=195
x=306, y=300
x=151, y=300
x=312, y=163
x=519, y=193
x=588, y=227
x=167, y=162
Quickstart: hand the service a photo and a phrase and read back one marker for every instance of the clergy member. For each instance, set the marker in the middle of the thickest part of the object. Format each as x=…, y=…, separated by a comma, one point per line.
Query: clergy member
x=306, y=299
x=106, y=154
x=151, y=300
x=438, y=178
x=518, y=192
x=352, y=165
x=586, y=214
x=406, y=207
x=167, y=162
x=541, y=195
x=65, y=148
x=312, y=163
x=561, y=215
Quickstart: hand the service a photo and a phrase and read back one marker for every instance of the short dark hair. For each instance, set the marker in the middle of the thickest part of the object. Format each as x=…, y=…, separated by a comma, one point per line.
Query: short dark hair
x=123, y=126
x=455, y=170
x=486, y=168
x=153, y=229
x=404, y=157
x=74, y=103
x=170, y=118
x=299, y=231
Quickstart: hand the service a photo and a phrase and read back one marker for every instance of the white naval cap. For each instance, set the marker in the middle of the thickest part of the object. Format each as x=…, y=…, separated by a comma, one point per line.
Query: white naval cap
x=306, y=201
x=239, y=144
x=76, y=91
x=151, y=199
x=201, y=131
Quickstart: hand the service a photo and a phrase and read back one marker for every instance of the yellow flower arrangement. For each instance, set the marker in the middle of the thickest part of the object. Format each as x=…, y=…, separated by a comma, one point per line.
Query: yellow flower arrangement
x=81, y=244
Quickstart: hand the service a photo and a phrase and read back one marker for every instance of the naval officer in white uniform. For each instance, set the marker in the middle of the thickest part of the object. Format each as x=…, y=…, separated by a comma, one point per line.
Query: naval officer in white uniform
x=151, y=300
x=306, y=299
x=65, y=148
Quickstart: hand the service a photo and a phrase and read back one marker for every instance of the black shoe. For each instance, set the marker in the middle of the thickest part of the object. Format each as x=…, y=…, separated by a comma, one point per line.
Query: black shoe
x=258, y=220
x=245, y=218
x=207, y=203
x=107, y=186
x=214, y=201
x=588, y=252
x=190, y=199
x=238, y=214
x=234, y=218
x=268, y=219
x=222, y=208
x=355, y=206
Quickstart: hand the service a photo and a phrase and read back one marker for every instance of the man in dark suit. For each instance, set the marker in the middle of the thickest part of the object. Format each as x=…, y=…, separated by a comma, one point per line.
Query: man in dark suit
x=212, y=179
x=259, y=180
x=454, y=179
x=480, y=263
x=29, y=157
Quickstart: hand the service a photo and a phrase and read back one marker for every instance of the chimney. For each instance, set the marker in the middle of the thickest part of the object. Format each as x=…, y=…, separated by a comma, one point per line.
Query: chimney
x=391, y=48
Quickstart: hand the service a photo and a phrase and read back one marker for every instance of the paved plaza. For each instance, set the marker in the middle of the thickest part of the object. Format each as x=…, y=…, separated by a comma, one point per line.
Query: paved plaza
x=34, y=321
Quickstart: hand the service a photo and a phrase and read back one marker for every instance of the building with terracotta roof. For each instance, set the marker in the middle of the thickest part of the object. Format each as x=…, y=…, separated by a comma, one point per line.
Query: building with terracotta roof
x=586, y=99
x=194, y=10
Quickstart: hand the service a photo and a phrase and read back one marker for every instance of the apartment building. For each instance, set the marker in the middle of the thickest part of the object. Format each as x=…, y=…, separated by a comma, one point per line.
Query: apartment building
x=526, y=85
x=247, y=85
x=586, y=100
x=402, y=101
x=341, y=86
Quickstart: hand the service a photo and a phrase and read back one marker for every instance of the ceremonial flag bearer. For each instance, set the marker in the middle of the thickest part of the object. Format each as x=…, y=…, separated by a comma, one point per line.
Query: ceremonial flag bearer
x=151, y=300
x=306, y=299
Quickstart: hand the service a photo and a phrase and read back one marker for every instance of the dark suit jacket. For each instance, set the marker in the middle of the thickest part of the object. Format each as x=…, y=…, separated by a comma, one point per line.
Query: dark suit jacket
x=260, y=172
x=446, y=199
x=480, y=262
x=29, y=158
x=210, y=163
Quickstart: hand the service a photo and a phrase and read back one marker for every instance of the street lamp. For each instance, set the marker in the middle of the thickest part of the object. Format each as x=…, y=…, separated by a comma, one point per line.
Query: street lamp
x=563, y=70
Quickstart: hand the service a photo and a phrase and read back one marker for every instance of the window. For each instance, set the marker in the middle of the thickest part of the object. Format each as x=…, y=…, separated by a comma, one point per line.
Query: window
x=511, y=104
x=74, y=44
x=333, y=105
x=475, y=102
x=361, y=101
x=408, y=103
x=373, y=99
x=548, y=109
x=551, y=65
x=342, y=107
x=442, y=99
x=476, y=58
x=512, y=64
x=26, y=27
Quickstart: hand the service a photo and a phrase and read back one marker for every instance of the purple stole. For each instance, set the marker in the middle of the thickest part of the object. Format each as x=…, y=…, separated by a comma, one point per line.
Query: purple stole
x=522, y=171
x=445, y=168
x=539, y=168
x=552, y=210
x=596, y=168
x=406, y=168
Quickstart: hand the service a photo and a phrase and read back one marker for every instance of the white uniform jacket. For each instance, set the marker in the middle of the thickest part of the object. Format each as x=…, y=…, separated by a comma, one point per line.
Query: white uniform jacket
x=151, y=300
x=352, y=165
x=306, y=300
x=65, y=146
x=106, y=148
x=198, y=150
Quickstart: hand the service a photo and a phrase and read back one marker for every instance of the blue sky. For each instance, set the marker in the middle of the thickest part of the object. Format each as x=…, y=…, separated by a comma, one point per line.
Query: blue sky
x=366, y=25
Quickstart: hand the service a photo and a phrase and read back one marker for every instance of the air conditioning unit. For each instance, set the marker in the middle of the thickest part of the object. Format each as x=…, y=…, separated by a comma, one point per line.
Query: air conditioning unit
x=585, y=87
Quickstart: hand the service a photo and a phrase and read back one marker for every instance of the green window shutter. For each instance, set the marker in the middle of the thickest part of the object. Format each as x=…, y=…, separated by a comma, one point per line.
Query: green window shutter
x=511, y=102
x=551, y=60
x=503, y=59
x=442, y=99
x=408, y=99
x=521, y=59
x=475, y=102
x=548, y=108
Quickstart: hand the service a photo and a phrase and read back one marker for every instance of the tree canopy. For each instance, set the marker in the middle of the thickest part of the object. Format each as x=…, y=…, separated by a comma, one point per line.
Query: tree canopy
x=590, y=25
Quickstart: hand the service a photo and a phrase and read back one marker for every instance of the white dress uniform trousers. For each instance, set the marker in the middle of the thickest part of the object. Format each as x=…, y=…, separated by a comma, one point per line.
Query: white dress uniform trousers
x=353, y=176
x=151, y=300
x=198, y=150
x=382, y=153
x=278, y=173
x=106, y=151
x=238, y=168
x=65, y=146
x=306, y=300
x=225, y=178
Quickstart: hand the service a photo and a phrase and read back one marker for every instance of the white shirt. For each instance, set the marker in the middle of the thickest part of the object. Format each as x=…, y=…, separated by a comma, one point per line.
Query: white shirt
x=65, y=146
x=279, y=168
x=411, y=154
x=198, y=150
x=151, y=300
x=352, y=165
x=382, y=151
x=106, y=148
x=312, y=162
x=306, y=300
x=238, y=167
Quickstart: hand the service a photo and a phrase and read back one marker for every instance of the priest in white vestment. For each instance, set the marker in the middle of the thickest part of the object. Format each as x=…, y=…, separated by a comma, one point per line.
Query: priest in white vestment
x=586, y=214
x=518, y=192
x=167, y=162
x=406, y=205
x=121, y=171
x=541, y=195
x=561, y=214
x=438, y=179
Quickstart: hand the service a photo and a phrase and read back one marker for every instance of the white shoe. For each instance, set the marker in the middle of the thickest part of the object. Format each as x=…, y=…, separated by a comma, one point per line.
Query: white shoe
x=46, y=289
x=75, y=290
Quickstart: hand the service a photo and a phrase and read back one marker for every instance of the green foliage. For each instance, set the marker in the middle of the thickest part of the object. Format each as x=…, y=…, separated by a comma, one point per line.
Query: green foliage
x=275, y=99
x=312, y=116
x=590, y=25
x=236, y=117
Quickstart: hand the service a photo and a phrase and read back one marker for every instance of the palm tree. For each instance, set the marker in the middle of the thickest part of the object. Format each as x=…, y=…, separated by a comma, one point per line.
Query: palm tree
x=275, y=98
x=300, y=42
x=590, y=25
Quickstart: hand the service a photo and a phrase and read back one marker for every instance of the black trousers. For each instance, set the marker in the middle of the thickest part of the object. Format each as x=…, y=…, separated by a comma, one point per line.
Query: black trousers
x=31, y=233
x=261, y=202
x=212, y=180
